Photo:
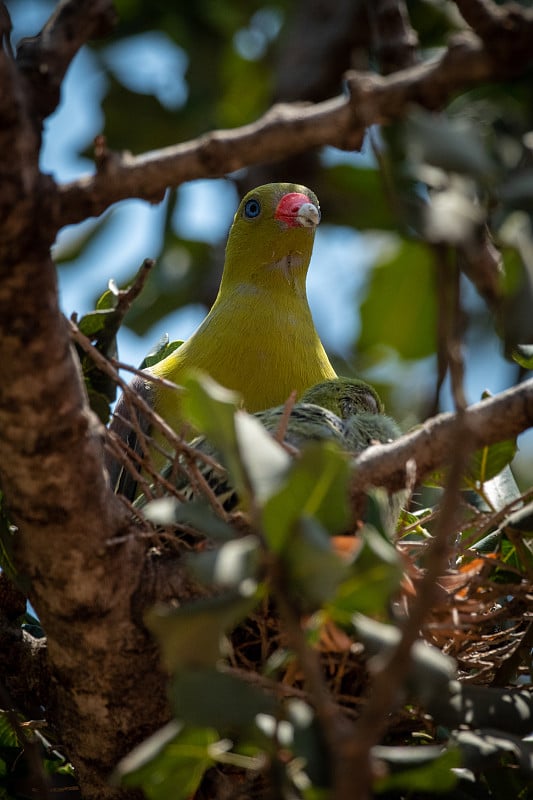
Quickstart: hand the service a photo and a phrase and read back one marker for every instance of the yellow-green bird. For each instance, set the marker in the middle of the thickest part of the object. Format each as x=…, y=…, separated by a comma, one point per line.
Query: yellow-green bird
x=346, y=411
x=259, y=338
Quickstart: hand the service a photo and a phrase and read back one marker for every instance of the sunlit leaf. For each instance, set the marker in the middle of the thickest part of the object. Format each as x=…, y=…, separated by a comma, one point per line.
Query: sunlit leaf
x=161, y=350
x=487, y=462
x=171, y=763
x=211, y=409
x=265, y=462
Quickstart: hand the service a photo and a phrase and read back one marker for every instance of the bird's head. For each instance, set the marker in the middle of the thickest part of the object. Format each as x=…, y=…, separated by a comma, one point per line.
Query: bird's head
x=271, y=239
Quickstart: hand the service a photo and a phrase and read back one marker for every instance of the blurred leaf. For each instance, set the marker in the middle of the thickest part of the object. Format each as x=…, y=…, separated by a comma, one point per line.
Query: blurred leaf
x=354, y=196
x=70, y=247
x=207, y=697
x=316, y=486
x=184, y=274
x=399, y=310
x=374, y=576
x=514, y=314
x=211, y=409
x=517, y=191
x=452, y=144
x=501, y=710
x=522, y=520
x=523, y=355
x=489, y=543
x=312, y=569
x=265, y=462
x=308, y=742
x=170, y=763
x=430, y=672
x=434, y=770
x=488, y=749
x=8, y=737
x=196, y=514
x=229, y=565
x=192, y=635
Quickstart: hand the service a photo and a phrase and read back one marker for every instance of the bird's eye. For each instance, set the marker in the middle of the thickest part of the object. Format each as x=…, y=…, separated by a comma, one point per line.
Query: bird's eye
x=252, y=209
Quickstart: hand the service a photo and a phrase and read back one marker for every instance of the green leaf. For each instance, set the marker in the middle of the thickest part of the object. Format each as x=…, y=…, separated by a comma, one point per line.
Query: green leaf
x=230, y=565
x=430, y=673
x=211, y=409
x=264, y=460
x=161, y=350
x=312, y=569
x=487, y=462
x=196, y=514
x=434, y=774
x=452, y=144
x=171, y=763
x=210, y=698
x=316, y=486
x=514, y=314
x=354, y=192
x=8, y=737
x=399, y=310
x=374, y=576
x=523, y=355
x=192, y=635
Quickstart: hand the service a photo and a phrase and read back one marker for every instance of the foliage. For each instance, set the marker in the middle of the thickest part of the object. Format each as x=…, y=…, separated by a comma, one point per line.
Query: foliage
x=293, y=554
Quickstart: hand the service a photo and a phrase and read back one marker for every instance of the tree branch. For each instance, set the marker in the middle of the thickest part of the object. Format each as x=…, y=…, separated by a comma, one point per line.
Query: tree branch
x=429, y=446
x=287, y=129
x=45, y=58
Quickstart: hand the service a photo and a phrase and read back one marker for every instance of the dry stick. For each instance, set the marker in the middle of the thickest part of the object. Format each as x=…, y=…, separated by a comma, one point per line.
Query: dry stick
x=431, y=445
x=45, y=58
x=393, y=37
x=157, y=421
x=281, y=430
x=393, y=667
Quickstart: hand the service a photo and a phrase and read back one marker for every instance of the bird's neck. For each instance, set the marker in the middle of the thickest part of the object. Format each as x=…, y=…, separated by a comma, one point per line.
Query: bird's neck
x=283, y=276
